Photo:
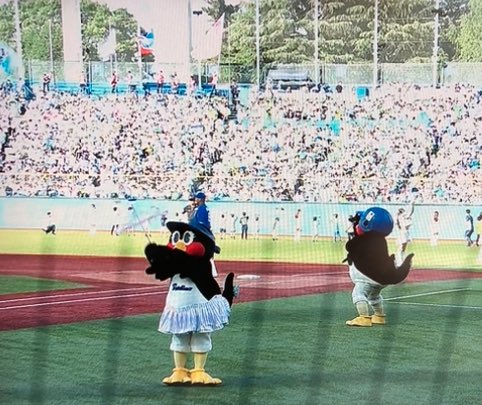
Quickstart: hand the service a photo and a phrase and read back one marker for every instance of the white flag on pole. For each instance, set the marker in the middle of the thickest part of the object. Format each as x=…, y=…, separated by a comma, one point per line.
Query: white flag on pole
x=107, y=48
x=209, y=45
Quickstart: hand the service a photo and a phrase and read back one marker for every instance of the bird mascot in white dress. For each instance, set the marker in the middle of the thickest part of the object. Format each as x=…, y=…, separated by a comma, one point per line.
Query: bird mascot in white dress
x=195, y=306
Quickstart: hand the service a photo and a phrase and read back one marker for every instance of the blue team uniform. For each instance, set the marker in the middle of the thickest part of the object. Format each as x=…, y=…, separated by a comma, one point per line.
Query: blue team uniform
x=201, y=217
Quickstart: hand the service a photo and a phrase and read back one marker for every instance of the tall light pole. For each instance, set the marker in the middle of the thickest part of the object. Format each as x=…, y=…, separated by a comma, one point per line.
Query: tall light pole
x=257, y=46
x=189, y=35
x=18, y=39
x=198, y=13
x=72, y=39
x=316, y=18
x=435, y=44
x=375, y=46
x=51, y=48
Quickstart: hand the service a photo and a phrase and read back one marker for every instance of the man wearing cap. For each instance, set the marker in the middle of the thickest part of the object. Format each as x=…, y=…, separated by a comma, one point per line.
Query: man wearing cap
x=201, y=217
x=51, y=228
x=200, y=214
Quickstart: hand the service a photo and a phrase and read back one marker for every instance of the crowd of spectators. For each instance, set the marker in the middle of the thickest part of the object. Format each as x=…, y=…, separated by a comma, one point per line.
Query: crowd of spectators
x=290, y=146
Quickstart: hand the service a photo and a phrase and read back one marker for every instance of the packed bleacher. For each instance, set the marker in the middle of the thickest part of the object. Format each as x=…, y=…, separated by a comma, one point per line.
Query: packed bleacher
x=291, y=145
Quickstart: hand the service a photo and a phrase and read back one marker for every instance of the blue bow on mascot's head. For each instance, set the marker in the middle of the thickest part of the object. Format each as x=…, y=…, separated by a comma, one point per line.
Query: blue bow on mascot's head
x=368, y=249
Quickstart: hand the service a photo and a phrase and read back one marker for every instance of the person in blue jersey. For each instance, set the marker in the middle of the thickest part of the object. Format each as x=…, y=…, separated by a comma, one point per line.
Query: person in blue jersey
x=200, y=215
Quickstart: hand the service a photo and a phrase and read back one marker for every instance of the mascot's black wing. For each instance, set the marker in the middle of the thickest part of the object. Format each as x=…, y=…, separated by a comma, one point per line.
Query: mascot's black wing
x=201, y=273
x=162, y=261
x=228, y=291
x=166, y=262
x=369, y=253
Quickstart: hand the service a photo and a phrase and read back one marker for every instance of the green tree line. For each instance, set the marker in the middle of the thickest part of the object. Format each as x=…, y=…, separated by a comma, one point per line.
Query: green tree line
x=41, y=22
x=287, y=30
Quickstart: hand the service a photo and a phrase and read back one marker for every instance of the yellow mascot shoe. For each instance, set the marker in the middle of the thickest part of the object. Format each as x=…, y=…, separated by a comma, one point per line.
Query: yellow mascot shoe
x=200, y=377
x=378, y=320
x=179, y=376
x=360, y=321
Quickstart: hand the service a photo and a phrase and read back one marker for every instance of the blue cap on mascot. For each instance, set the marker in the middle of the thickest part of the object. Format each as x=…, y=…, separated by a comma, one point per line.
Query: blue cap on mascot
x=376, y=219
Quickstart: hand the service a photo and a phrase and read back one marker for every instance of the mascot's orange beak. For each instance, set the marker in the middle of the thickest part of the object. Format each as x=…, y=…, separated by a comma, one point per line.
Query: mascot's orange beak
x=180, y=246
x=193, y=249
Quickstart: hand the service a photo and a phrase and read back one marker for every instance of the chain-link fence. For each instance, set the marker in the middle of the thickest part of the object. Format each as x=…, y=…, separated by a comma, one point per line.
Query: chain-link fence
x=349, y=74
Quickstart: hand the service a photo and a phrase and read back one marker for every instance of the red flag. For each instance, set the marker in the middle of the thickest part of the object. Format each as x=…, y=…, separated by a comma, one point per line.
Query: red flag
x=146, y=42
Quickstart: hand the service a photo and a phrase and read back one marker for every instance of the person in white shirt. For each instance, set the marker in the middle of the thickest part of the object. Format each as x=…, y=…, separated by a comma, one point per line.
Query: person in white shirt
x=403, y=224
x=315, y=229
x=93, y=219
x=234, y=220
x=298, y=219
x=257, y=227
x=435, y=229
x=114, y=230
x=51, y=227
x=244, y=225
x=274, y=232
x=223, y=226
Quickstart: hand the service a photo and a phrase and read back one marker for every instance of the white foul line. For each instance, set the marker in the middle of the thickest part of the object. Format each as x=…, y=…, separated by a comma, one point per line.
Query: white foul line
x=432, y=305
x=81, y=300
x=426, y=294
x=96, y=292
x=436, y=305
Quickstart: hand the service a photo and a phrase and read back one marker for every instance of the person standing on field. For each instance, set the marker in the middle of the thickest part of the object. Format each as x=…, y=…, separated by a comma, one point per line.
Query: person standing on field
x=469, y=227
x=257, y=227
x=234, y=219
x=403, y=224
x=93, y=219
x=315, y=229
x=51, y=227
x=298, y=220
x=244, y=225
x=200, y=215
x=223, y=226
x=274, y=230
x=336, y=228
x=114, y=230
x=435, y=229
x=478, y=229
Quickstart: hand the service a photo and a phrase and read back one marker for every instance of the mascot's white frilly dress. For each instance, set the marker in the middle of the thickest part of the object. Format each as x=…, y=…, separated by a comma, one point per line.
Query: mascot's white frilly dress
x=195, y=306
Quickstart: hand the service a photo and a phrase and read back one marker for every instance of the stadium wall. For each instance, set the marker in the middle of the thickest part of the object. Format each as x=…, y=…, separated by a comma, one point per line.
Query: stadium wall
x=79, y=214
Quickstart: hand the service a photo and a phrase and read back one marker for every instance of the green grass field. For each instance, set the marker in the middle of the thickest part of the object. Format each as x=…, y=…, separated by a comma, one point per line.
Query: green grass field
x=11, y=285
x=281, y=351
x=448, y=255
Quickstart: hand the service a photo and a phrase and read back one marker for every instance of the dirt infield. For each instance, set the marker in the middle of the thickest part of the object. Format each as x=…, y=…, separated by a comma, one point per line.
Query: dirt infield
x=117, y=287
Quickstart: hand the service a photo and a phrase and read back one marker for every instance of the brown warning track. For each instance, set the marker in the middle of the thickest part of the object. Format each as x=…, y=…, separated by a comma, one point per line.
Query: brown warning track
x=117, y=286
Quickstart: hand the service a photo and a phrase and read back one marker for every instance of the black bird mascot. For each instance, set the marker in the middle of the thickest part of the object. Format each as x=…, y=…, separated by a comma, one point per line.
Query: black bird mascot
x=368, y=249
x=371, y=268
x=195, y=306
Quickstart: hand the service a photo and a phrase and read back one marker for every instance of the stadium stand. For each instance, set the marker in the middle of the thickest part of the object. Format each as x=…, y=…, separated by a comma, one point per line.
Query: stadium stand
x=290, y=146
